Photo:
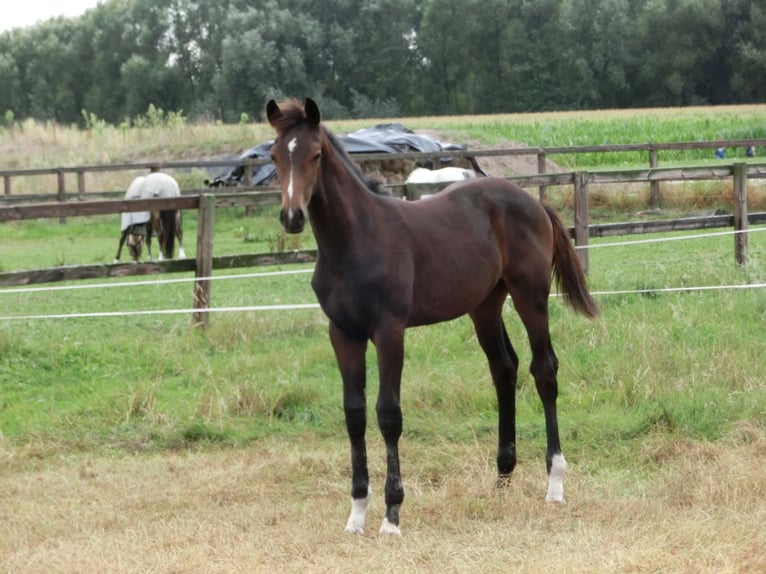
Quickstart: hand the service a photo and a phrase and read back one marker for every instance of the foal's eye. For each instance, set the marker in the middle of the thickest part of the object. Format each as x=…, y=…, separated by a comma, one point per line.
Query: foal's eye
x=317, y=157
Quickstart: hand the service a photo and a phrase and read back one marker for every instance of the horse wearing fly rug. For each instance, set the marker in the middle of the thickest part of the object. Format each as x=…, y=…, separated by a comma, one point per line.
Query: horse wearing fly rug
x=139, y=226
x=384, y=265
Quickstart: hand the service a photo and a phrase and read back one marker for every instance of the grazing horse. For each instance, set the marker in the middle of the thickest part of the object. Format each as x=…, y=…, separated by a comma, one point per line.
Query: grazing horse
x=384, y=265
x=166, y=224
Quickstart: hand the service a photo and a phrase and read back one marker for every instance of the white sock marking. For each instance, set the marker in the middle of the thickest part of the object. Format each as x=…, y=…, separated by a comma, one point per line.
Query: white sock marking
x=181, y=253
x=390, y=529
x=355, y=524
x=556, y=479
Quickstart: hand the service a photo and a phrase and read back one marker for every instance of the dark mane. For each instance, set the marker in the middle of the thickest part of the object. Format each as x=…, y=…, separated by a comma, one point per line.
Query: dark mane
x=293, y=113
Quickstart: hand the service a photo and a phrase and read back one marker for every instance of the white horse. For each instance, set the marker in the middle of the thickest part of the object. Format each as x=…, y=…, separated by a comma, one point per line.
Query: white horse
x=444, y=175
x=137, y=226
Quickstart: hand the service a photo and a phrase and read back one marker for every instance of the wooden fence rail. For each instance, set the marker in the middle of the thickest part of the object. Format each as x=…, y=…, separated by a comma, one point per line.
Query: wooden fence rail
x=651, y=149
x=207, y=204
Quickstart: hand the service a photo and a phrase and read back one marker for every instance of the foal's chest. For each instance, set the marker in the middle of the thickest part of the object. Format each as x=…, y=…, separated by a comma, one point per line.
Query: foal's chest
x=352, y=302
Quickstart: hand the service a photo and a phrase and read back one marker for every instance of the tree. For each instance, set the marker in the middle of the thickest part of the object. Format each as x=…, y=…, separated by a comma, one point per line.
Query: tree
x=599, y=58
x=10, y=83
x=442, y=40
x=679, y=37
x=273, y=51
x=748, y=77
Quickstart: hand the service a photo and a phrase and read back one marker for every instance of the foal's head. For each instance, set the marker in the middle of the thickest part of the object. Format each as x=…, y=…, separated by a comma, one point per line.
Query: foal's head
x=297, y=155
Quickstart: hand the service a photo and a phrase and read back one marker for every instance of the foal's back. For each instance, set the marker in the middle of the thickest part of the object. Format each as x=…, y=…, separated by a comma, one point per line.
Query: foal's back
x=459, y=246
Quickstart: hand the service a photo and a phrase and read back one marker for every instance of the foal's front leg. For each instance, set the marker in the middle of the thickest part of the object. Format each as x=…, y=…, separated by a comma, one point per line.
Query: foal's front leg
x=389, y=343
x=350, y=354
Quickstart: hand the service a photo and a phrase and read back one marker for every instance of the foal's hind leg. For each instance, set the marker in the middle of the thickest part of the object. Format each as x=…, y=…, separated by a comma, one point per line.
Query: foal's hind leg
x=503, y=365
x=533, y=310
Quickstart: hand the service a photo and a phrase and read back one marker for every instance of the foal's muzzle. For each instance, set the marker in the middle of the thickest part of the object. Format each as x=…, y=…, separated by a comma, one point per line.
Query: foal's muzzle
x=293, y=220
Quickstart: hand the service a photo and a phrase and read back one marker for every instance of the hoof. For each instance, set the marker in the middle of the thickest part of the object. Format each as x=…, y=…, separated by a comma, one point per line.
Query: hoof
x=390, y=529
x=354, y=528
x=356, y=519
x=556, y=479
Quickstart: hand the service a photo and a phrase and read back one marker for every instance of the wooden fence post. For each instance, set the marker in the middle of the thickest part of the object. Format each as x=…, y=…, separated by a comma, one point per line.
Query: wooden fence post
x=206, y=219
x=7, y=184
x=541, y=171
x=413, y=191
x=654, y=186
x=740, y=213
x=247, y=174
x=581, y=217
x=80, y=184
x=61, y=193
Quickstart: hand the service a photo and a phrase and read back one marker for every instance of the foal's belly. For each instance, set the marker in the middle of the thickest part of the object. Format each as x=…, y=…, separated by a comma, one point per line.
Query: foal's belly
x=451, y=293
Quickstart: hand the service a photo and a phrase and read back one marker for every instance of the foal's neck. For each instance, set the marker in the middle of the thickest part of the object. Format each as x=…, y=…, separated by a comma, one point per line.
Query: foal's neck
x=342, y=206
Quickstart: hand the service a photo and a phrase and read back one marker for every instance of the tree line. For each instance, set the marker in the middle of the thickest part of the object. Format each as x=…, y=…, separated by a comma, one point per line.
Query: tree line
x=223, y=59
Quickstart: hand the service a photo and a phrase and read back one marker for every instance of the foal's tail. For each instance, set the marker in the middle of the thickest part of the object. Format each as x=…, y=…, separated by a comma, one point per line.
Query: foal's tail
x=567, y=270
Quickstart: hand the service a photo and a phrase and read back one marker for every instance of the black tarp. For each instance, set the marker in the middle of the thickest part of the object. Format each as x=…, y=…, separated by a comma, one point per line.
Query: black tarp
x=382, y=138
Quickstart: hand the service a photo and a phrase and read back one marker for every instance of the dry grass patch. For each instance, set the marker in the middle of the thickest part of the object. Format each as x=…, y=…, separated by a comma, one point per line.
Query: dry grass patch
x=280, y=506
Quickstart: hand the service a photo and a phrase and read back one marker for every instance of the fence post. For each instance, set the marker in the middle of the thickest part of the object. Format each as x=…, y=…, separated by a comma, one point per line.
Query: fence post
x=80, y=184
x=413, y=191
x=7, y=184
x=581, y=217
x=206, y=219
x=654, y=186
x=740, y=213
x=61, y=194
x=541, y=171
x=247, y=175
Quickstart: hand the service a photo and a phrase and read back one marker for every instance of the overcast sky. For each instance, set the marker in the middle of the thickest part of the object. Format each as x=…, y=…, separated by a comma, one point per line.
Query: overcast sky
x=22, y=13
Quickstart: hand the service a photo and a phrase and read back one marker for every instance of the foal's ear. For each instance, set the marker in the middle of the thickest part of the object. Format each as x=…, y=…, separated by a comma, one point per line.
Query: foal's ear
x=312, y=112
x=272, y=111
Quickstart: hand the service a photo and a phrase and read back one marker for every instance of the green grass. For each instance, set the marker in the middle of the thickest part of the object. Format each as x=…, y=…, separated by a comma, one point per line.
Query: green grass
x=685, y=363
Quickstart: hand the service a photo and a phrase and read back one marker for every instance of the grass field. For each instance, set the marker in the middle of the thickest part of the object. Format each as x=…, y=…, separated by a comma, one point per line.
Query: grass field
x=138, y=444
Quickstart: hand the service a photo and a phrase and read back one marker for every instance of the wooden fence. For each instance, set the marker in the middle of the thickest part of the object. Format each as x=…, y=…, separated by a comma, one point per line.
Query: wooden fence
x=62, y=194
x=207, y=203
